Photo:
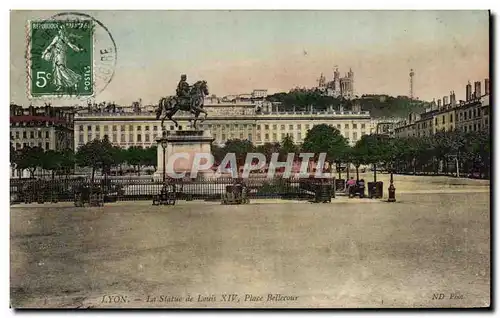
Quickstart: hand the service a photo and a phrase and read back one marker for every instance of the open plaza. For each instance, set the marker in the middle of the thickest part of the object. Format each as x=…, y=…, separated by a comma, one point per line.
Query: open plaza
x=429, y=249
x=256, y=172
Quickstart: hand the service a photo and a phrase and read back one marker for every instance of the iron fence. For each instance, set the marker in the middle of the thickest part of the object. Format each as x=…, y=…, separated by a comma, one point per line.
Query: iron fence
x=144, y=188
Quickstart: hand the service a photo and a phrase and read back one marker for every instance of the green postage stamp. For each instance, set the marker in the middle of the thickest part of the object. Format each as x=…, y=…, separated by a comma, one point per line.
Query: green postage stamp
x=60, y=58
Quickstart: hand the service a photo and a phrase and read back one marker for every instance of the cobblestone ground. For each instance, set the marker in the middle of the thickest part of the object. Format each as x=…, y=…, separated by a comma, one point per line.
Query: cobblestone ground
x=426, y=250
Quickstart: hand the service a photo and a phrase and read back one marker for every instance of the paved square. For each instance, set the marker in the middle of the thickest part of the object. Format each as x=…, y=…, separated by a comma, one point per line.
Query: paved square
x=342, y=254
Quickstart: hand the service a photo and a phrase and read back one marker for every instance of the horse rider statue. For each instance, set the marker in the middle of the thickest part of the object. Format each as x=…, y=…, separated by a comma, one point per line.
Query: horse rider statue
x=187, y=98
x=183, y=93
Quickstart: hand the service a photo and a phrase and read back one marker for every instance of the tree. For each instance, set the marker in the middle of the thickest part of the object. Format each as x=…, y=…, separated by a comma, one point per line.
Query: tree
x=218, y=152
x=324, y=138
x=287, y=146
x=67, y=161
x=150, y=157
x=135, y=157
x=240, y=148
x=96, y=154
x=358, y=156
x=414, y=150
x=117, y=158
x=268, y=148
x=28, y=158
x=373, y=149
x=51, y=161
x=379, y=105
x=476, y=153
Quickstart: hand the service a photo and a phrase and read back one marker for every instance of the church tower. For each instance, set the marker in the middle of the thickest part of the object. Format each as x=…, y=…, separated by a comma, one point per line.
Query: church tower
x=336, y=82
x=350, y=76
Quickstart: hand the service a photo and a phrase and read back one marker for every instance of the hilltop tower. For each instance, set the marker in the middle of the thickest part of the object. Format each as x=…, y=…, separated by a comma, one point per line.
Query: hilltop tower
x=412, y=75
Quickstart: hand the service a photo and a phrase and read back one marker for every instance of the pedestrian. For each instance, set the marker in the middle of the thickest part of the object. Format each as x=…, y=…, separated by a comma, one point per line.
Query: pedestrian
x=350, y=184
x=361, y=187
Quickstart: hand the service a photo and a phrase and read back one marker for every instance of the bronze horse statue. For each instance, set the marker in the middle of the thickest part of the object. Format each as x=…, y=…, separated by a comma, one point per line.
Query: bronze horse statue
x=168, y=106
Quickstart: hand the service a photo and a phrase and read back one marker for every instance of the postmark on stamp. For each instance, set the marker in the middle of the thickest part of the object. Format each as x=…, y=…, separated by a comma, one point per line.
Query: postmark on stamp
x=61, y=58
x=70, y=55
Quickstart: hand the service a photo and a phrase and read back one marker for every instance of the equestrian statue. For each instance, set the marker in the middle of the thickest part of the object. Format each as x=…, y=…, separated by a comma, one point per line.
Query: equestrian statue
x=187, y=98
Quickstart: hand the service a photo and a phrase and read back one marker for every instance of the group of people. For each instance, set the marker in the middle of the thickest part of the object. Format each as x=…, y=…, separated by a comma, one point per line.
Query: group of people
x=353, y=185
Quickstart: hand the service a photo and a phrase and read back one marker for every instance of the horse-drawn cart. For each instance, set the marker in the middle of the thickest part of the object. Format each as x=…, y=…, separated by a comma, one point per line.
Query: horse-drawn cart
x=167, y=196
x=235, y=194
x=86, y=195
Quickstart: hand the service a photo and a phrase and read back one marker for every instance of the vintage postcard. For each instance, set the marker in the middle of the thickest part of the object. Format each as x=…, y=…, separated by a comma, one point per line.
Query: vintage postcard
x=250, y=159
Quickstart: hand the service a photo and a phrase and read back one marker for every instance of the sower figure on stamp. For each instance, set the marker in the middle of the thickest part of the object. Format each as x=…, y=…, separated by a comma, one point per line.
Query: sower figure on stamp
x=56, y=53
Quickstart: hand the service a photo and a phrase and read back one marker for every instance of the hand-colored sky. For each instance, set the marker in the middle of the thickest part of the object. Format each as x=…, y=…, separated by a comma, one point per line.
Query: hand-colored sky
x=238, y=51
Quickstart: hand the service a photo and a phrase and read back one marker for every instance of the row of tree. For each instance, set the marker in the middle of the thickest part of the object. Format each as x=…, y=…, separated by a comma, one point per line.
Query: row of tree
x=469, y=152
x=378, y=105
x=96, y=155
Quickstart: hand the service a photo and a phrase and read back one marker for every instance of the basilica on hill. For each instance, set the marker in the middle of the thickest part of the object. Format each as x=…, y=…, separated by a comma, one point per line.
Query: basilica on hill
x=339, y=86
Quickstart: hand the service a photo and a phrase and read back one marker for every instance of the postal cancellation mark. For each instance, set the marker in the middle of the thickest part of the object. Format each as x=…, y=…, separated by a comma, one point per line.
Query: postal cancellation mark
x=61, y=58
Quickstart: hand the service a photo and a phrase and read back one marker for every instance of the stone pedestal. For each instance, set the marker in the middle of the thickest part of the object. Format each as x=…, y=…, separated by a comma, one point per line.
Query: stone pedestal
x=182, y=141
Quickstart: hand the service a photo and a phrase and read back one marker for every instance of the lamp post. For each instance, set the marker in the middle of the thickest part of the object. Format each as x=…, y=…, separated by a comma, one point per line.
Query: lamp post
x=392, y=189
x=164, y=146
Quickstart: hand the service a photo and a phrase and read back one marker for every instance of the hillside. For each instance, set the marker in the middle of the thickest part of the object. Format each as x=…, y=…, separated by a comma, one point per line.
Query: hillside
x=378, y=105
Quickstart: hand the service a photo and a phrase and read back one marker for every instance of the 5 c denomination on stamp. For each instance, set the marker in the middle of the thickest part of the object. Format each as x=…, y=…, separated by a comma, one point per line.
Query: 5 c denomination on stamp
x=61, y=60
x=71, y=54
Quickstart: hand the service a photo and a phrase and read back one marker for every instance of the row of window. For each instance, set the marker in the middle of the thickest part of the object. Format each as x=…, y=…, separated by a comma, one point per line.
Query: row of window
x=462, y=116
x=443, y=119
x=299, y=126
x=32, y=134
x=209, y=126
x=31, y=144
x=122, y=127
x=476, y=126
x=267, y=136
x=114, y=137
x=465, y=128
x=473, y=113
x=148, y=138
x=125, y=144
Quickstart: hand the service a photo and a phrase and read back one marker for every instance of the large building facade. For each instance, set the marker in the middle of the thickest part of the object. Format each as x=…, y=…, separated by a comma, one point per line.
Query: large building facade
x=49, y=128
x=256, y=121
x=448, y=114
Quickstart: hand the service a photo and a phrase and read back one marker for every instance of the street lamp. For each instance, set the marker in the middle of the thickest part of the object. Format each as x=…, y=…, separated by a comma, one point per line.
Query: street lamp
x=164, y=146
x=392, y=189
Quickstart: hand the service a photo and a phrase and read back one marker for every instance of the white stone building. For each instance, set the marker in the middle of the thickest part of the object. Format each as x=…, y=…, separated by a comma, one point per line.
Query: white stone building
x=254, y=121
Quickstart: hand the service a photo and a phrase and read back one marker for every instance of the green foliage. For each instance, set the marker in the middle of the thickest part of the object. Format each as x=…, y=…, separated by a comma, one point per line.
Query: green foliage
x=67, y=161
x=300, y=100
x=96, y=154
x=150, y=156
x=472, y=149
x=101, y=154
x=51, y=160
x=28, y=158
x=135, y=156
x=379, y=105
x=139, y=157
x=240, y=148
x=324, y=138
x=286, y=147
x=268, y=149
x=218, y=153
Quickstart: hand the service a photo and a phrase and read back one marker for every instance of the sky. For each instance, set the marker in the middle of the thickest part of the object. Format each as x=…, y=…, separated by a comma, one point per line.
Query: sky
x=238, y=51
